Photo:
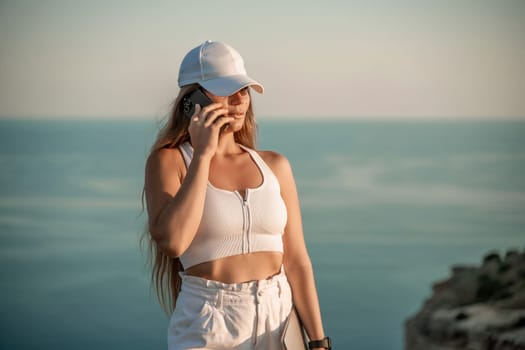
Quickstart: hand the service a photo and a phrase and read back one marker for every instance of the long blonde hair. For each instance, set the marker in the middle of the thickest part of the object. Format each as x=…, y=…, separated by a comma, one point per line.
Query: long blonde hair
x=165, y=269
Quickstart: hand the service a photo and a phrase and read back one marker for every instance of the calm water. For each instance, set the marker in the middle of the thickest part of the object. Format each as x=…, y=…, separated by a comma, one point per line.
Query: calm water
x=387, y=207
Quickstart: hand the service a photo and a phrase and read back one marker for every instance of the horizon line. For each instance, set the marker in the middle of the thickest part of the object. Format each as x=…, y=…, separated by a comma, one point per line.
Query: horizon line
x=331, y=118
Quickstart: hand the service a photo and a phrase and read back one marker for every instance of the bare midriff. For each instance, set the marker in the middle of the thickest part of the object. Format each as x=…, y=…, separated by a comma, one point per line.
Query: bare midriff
x=239, y=268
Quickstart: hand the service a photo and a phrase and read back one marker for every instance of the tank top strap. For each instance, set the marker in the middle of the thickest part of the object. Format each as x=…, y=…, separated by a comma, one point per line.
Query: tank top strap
x=258, y=159
x=187, y=152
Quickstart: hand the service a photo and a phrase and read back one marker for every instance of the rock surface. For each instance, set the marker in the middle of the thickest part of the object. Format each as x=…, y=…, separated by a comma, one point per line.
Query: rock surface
x=477, y=308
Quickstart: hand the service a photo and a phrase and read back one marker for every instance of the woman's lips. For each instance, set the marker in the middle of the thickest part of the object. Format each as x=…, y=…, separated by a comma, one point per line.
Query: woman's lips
x=235, y=115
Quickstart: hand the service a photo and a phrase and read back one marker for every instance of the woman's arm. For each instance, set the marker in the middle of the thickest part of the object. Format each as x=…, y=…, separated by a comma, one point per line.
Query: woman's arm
x=174, y=205
x=176, y=202
x=297, y=264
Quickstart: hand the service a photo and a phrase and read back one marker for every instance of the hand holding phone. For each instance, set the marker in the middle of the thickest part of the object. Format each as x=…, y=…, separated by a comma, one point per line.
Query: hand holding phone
x=205, y=128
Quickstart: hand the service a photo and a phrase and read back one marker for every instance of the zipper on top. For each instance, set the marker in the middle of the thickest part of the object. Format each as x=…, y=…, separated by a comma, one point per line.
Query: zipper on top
x=246, y=226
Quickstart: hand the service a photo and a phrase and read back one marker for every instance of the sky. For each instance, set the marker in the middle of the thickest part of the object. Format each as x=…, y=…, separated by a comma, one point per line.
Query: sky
x=343, y=59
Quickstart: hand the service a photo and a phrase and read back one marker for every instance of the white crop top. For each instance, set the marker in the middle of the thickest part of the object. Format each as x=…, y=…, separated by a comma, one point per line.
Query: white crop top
x=233, y=225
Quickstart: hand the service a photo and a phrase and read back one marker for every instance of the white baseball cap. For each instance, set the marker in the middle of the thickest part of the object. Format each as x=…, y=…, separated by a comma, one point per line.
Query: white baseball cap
x=218, y=68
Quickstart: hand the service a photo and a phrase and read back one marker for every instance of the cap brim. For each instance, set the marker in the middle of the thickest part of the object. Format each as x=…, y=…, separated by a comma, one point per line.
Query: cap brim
x=226, y=86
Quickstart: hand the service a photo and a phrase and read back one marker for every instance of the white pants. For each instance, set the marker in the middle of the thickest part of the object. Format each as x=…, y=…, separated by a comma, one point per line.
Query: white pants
x=215, y=315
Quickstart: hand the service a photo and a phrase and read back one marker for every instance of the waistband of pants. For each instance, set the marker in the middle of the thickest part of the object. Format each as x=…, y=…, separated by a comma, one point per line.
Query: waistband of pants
x=220, y=292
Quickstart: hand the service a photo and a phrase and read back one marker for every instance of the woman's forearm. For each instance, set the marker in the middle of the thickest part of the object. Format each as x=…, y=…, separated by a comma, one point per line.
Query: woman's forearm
x=305, y=298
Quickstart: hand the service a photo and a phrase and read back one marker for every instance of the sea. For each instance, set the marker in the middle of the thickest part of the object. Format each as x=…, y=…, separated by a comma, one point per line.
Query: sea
x=388, y=208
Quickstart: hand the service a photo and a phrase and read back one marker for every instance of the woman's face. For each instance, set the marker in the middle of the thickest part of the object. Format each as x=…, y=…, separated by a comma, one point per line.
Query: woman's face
x=237, y=105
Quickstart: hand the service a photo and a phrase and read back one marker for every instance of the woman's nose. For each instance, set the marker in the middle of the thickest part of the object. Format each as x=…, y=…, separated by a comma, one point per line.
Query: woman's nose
x=236, y=98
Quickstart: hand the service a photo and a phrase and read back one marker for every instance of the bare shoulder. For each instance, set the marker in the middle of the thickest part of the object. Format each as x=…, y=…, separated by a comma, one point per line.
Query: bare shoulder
x=277, y=162
x=164, y=163
x=166, y=157
x=164, y=172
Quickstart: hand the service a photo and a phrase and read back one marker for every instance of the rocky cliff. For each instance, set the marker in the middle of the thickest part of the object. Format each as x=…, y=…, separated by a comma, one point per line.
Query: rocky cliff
x=477, y=308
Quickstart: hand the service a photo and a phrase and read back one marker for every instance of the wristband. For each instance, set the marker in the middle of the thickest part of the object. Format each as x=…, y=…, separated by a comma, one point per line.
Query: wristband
x=323, y=343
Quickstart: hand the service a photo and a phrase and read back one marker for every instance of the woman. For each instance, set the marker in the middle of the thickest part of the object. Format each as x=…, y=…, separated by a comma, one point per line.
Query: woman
x=223, y=219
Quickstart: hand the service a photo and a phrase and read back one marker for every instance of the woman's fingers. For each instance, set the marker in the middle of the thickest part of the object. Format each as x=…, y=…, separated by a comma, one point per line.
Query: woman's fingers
x=209, y=117
x=221, y=121
x=206, y=125
x=196, y=113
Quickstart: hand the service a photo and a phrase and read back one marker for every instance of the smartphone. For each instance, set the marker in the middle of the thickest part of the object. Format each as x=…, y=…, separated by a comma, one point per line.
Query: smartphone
x=196, y=97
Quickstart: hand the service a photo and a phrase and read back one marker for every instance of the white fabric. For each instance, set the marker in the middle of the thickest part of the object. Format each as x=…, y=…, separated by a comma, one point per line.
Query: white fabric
x=216, y=315
x=217, y=67
x=233, y=225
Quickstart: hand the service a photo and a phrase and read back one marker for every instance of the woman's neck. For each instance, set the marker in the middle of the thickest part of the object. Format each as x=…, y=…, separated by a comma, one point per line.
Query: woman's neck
x=227, y=144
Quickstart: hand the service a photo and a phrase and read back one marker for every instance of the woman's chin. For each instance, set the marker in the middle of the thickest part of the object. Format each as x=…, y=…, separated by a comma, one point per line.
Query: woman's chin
x=228, y=129
x=234, y=126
